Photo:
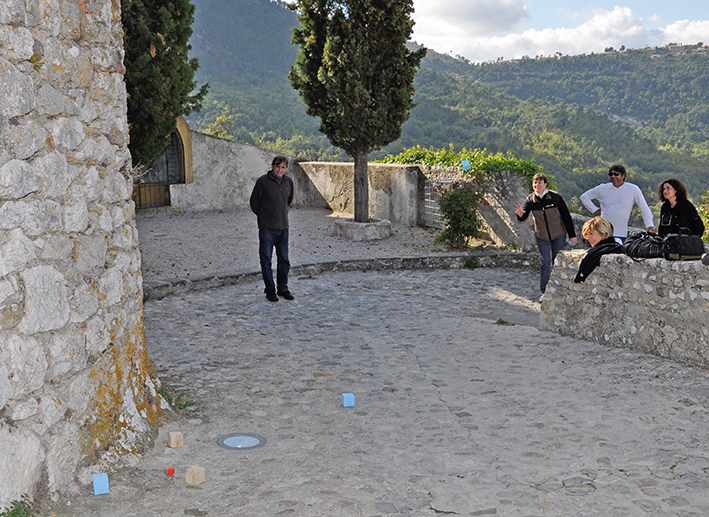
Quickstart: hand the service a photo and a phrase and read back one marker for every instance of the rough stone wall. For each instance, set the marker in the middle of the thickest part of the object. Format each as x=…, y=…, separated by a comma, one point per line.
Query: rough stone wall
x=656, y=306
x=504, y=191
x=76, y=388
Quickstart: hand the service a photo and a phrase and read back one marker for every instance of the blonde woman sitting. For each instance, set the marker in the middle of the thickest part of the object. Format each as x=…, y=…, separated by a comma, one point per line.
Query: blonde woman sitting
x=599, y=233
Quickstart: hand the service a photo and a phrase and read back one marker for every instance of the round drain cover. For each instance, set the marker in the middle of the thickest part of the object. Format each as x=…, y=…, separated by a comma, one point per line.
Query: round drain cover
x=241, y=441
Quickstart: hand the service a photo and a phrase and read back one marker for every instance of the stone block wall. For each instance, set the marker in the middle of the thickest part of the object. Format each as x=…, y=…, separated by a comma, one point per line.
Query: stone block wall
x=504, y=191
x=656, y=306
x=76, y=389
x=225, y=173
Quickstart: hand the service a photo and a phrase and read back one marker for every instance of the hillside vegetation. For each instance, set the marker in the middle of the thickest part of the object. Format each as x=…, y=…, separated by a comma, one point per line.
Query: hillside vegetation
x=664, y=91
x=574, y=116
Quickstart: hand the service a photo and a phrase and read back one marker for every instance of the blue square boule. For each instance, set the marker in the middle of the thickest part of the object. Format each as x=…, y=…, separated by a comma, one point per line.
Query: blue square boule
x=348, y=399
x=100, y=484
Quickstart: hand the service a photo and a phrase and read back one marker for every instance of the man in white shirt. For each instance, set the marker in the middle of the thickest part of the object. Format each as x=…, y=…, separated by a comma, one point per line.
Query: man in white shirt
x=617, y=199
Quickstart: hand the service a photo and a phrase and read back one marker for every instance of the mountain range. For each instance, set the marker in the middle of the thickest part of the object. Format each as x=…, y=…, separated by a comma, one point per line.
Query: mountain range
x=574, y=115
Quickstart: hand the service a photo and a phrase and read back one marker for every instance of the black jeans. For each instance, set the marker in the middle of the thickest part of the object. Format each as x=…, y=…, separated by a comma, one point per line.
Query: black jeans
x=267, y=240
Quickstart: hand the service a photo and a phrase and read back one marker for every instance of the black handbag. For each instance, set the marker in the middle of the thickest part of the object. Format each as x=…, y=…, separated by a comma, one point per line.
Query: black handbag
x=673, y=246
x=644, y=245
x=682, y=246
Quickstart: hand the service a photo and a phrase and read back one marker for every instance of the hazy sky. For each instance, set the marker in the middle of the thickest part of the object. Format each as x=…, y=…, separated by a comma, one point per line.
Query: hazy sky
x=485, y=30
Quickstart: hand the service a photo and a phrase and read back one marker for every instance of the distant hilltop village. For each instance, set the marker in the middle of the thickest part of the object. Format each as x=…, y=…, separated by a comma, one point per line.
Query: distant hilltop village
x=675, y=48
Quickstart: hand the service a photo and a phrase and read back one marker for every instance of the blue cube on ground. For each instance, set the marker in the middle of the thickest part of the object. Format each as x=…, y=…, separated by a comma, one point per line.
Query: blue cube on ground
x=100, y=484
x=348, y=399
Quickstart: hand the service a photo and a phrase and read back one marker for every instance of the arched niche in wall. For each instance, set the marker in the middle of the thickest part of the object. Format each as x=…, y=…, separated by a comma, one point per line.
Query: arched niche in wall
x=173, y=165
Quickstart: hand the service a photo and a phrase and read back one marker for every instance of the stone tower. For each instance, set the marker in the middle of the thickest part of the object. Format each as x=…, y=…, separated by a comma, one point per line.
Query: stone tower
x=77, y=394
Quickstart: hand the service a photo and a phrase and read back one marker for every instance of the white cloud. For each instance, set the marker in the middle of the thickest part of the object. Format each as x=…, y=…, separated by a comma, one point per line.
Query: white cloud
x=462, y=18
x=600, y=29
x=685, y=31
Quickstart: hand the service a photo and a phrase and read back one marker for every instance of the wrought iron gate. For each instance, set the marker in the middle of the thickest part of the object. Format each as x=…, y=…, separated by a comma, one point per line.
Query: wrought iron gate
x=152, y=188
x=432, y=209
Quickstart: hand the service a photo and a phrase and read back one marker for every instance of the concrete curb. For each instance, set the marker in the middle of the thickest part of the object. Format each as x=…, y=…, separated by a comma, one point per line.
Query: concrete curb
x=162, y=288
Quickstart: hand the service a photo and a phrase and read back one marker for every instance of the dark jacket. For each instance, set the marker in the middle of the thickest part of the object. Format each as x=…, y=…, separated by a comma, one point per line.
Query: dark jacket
x=592, y=258
x=550, y=214
x=270, y=201
x=682, y=215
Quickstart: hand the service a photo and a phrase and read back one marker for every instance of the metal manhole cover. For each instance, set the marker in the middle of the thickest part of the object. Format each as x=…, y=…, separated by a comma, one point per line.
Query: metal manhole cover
x=241, y=441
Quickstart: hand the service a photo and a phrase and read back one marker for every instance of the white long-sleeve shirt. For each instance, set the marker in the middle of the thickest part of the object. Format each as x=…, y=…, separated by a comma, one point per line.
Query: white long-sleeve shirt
x=616, y=205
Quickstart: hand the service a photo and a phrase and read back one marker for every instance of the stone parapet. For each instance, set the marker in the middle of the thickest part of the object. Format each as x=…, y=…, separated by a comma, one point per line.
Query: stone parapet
x=655, y=306
x=396, y=192
x=161, y=289
x=225, y=173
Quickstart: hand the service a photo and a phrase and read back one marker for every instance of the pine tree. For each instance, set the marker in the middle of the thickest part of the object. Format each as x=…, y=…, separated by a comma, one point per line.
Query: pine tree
x=356, y=74
x=159, y=74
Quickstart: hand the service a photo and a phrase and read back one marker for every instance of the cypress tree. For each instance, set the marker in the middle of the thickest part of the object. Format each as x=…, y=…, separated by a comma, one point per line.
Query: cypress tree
x=159, y=74
x=356, y=74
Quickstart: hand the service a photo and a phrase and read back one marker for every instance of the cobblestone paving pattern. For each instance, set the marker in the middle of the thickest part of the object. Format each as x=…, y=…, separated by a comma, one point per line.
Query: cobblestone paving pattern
x=462, y=407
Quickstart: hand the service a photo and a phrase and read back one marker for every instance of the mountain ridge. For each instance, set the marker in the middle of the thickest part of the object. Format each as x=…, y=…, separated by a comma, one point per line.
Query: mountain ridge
x=532, y=108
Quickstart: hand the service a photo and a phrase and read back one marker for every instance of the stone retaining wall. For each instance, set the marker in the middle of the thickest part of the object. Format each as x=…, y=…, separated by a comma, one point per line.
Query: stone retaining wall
x=656, y=306
x=77, y=392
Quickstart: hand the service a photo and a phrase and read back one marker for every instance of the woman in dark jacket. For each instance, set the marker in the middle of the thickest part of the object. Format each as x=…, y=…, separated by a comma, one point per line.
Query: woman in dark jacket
x=599, y=234
x=552, y=223
x=677, y=211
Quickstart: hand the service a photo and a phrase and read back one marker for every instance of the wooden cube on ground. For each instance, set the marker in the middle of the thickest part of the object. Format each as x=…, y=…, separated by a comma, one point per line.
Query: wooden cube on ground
x=195, y=475
x=175, y=439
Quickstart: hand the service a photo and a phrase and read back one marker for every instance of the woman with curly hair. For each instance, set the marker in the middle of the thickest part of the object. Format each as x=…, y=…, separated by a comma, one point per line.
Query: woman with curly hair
x=677, y=211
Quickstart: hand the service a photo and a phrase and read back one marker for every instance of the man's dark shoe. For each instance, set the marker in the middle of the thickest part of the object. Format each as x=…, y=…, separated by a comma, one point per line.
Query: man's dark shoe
x=286, y=295
x=705, y=259
x=271, y=296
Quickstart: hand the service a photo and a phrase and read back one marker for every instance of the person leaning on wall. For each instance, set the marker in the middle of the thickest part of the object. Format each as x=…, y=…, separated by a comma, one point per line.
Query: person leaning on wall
x=599, y=234
x=677, y=211
x=552, y=223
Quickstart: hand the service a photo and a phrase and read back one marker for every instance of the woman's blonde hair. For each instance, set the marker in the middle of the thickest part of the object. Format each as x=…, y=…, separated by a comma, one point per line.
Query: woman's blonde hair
x=598, y=225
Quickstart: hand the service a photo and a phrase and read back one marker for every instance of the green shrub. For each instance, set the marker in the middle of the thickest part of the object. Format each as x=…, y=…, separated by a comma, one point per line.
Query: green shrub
x=459, y=210
x=481, y=162
x=25, y=507
x=471, y=262
x=178, y=402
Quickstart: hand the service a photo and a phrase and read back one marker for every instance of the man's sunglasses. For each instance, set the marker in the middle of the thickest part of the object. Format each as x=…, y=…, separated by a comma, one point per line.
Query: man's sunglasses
x=614, y=173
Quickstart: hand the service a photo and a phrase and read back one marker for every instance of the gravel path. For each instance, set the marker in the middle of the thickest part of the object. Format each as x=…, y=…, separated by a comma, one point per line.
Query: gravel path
x=190, y=245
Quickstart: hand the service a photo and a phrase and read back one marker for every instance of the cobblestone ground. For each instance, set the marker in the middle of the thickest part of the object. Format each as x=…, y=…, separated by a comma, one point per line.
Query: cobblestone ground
x=462, y=407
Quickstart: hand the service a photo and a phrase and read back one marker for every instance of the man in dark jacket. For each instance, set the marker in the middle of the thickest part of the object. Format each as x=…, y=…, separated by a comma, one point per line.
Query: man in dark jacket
x=270, y=200
x=552, y=223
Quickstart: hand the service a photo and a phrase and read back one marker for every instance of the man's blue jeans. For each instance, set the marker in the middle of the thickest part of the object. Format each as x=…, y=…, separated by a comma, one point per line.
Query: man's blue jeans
x=267, y=240
x=549, y=250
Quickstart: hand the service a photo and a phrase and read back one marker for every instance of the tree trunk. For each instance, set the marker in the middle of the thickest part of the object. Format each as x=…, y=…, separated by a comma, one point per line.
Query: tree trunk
x=361, y=188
